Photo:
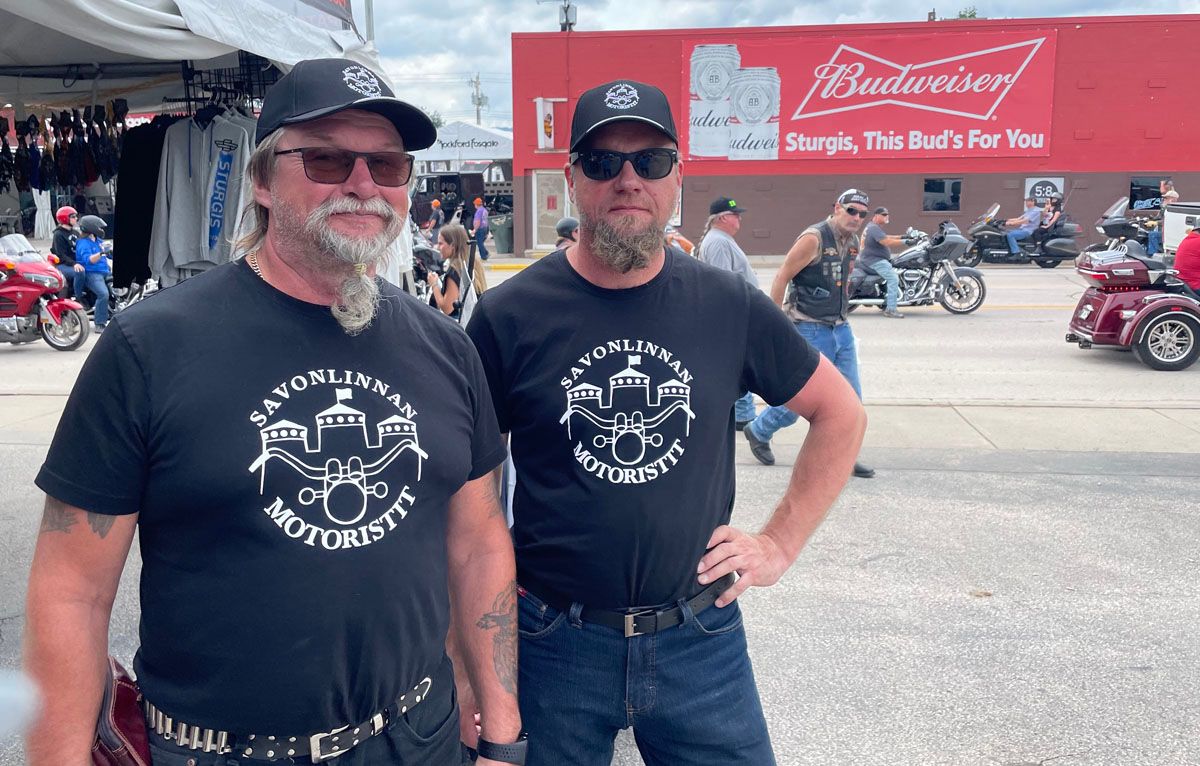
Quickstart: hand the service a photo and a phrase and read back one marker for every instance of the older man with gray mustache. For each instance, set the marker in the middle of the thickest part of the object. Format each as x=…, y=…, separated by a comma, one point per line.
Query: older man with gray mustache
x=304, y=452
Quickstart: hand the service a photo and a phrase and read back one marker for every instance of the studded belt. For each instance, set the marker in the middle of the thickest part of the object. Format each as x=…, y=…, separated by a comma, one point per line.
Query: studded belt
x=321, y=746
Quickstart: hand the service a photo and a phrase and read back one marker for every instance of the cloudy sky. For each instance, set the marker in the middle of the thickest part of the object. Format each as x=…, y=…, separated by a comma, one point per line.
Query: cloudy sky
x=431, y=50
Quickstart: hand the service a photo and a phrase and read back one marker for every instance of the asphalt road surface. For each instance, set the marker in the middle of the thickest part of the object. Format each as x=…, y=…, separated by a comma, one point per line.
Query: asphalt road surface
x=1016, y=587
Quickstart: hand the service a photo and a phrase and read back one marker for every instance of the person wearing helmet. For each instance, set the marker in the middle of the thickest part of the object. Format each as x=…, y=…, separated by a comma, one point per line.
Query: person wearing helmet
x=95, y=266
x=479, y=228
x=63, y=247
x=568, y=232
x=437, y=219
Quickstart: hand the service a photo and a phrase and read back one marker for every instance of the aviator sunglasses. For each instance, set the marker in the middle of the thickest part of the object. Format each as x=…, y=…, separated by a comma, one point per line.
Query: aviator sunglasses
x=605, y=165
x=330, y=165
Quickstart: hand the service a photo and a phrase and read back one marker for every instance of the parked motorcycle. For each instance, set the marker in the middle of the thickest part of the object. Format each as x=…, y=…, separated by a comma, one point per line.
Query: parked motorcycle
x=988, y=243
x=1134, y=301
x=29, y=304
x=927, y=275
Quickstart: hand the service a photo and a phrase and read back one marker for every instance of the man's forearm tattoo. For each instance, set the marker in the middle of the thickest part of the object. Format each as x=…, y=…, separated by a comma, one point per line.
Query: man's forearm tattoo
x=58, y=517
x=503, y=617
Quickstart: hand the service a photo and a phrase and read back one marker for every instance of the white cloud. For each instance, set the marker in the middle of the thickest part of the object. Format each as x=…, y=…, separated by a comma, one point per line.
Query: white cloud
x=432, y=50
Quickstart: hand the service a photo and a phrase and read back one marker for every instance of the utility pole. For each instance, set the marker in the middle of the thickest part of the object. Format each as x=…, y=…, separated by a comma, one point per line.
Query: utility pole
x=478, y=98
x=369, y=6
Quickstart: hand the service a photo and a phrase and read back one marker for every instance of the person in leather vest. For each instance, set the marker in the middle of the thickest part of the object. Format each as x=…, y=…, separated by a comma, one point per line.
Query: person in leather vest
x=815, y=277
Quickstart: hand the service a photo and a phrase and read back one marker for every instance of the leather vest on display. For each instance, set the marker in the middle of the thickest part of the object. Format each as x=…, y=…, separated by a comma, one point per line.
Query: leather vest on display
x=820, y=290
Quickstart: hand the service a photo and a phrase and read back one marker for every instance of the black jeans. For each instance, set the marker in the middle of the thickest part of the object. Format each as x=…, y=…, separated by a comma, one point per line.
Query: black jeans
x=427, y=735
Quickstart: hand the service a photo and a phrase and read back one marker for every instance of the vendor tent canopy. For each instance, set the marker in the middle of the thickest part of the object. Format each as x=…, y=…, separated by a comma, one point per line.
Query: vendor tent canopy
x=462, y=141
x=61, y=53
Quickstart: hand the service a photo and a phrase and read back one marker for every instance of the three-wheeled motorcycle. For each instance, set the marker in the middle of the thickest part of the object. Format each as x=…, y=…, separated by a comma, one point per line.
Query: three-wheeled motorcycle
x=1136, y=302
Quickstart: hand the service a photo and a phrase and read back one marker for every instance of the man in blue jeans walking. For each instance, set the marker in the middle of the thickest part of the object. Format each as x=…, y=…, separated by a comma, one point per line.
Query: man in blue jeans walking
x=614, y=365
x=1026, y=223
x=815, y=276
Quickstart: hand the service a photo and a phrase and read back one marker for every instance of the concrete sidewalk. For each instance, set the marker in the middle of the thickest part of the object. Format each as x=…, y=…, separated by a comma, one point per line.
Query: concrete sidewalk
x=995, y=426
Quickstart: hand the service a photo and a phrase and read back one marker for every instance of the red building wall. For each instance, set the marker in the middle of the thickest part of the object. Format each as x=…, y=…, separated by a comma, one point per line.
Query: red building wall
x=1113, y=110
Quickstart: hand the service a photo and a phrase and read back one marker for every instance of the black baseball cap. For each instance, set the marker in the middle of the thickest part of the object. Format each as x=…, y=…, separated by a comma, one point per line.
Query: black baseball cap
x=854, y=195
x=724, y=205
x=320, y=87
x=621, y=100
x=881, y=211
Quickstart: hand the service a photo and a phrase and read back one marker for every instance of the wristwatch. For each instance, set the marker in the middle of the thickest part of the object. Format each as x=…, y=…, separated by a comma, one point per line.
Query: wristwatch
x=511, y=753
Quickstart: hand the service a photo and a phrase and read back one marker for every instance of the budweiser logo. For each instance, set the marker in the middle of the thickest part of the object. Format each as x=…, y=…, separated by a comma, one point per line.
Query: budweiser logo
x=969, y=85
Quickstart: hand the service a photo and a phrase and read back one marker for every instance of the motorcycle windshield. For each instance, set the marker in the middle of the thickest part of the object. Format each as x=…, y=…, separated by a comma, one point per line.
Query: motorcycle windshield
x=992, y=211
x=14, y=247
x=1117, y=210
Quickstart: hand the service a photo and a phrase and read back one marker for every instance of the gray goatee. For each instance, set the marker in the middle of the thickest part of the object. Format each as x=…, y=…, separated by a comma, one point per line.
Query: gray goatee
x=358, y=294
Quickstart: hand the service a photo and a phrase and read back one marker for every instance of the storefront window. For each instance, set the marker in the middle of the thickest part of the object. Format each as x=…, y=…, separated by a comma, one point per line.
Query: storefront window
x=1144, y=193
x=550, y=203
x=942, y=194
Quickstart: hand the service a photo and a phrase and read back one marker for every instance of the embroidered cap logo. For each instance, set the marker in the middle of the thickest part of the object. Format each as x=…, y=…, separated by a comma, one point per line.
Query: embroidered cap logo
x=362, y=80
x=622, y=96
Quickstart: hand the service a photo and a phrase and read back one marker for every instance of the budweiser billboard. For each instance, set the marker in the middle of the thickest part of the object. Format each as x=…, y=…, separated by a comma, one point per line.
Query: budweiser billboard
x=953, y=94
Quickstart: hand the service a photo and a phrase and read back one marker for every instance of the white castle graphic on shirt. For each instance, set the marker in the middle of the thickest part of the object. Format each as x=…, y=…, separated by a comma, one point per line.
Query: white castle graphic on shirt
x=629, y=414
x=350, y=480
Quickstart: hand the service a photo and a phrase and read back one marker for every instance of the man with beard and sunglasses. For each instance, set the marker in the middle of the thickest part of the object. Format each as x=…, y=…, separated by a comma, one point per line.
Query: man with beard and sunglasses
x=815, y=276
x=306, y=454
x=614, y=365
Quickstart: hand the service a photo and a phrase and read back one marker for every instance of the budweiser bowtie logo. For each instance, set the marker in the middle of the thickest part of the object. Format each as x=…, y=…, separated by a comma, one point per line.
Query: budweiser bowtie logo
x=970, y=85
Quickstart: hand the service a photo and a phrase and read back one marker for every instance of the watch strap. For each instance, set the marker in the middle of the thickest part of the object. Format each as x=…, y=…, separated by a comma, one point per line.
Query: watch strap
x=509, y=753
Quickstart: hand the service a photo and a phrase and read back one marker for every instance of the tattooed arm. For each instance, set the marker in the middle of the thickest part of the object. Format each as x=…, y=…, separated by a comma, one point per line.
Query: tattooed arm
x=484, y=607
x=77, y=565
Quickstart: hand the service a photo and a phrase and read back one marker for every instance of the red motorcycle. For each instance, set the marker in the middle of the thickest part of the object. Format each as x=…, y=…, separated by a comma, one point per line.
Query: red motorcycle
x=29, y=306
x=1134, y=301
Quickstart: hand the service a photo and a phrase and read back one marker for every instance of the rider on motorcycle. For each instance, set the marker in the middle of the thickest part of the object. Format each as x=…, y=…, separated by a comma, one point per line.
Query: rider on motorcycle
x=875, y=256
x=95, y=265
x=568, y=232
x=63, y=247
x=1027, y=223
x=1050, y=217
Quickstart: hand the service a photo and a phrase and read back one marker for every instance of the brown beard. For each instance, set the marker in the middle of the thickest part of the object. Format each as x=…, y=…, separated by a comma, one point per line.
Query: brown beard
x=619, y=248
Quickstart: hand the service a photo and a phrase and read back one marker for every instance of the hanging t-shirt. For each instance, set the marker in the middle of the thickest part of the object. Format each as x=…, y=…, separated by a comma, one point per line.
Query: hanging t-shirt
x=228, y=157
x=620, y=406
x=292, y=482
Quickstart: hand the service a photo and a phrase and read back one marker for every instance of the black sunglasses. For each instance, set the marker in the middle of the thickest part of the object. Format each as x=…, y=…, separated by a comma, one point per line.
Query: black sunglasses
x=330, y=165
x=605, y=165
x=858, y=211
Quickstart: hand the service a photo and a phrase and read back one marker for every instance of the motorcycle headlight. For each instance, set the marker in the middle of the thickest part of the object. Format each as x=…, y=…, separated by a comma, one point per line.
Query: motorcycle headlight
x=46, y=280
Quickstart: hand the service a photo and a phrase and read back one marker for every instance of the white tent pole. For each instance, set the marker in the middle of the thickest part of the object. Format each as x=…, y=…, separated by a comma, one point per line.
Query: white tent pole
x=369, y=7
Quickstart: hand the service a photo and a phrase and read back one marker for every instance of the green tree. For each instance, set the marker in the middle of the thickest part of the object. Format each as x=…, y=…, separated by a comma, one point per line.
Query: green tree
x=438, y=120
x=970, y=12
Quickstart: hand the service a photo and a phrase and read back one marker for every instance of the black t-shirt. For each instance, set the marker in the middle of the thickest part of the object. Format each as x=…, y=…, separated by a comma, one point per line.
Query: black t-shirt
x=619, y=403
x=292, y=483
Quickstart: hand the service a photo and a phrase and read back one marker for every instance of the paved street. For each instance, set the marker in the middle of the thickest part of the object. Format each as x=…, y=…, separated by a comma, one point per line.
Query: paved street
x=1018, y=586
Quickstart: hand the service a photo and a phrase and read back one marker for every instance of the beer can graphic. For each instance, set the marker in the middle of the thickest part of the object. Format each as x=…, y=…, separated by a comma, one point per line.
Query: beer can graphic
x=712, y=66
x=754, y=117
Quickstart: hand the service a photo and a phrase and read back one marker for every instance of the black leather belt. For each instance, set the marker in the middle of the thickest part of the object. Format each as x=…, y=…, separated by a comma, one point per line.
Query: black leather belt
x=642, y=622
x=321, y=746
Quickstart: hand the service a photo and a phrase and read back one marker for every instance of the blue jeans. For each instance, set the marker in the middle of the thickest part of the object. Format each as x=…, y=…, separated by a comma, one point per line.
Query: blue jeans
x=480, y=238
x=743, y=408
x=68, y=275
x=885, y=270
x=1153, y=241
x=837, y=345
x=94, y=282
x=688, y=691
x=1013, y=236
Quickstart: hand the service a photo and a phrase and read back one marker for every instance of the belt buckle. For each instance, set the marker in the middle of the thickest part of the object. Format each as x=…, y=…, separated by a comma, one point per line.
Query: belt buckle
x=630, y=629
x=314, y=745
